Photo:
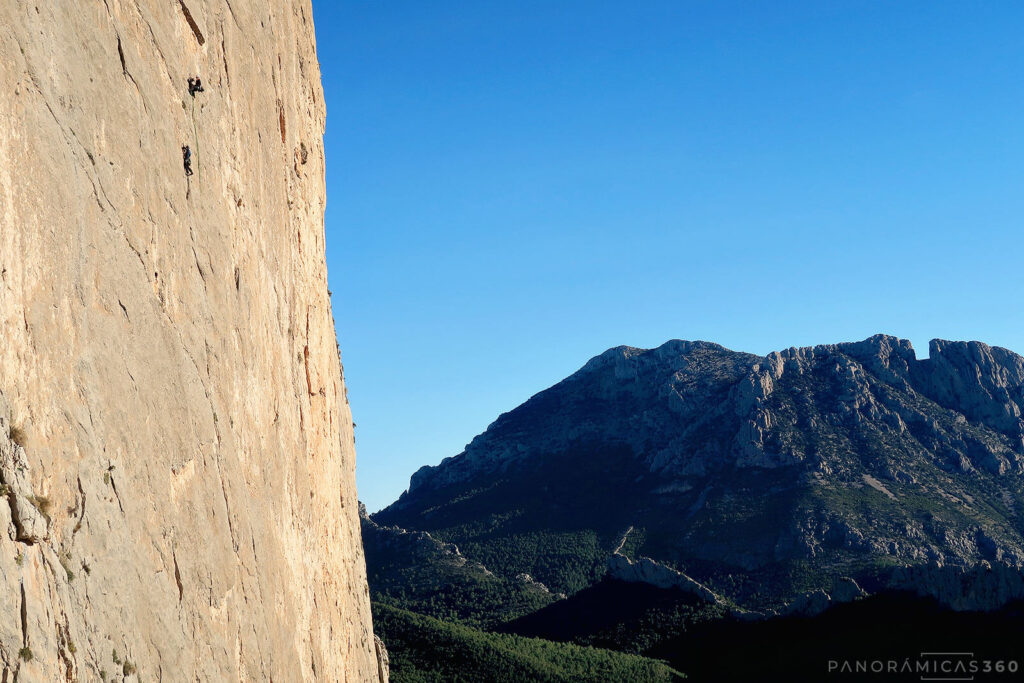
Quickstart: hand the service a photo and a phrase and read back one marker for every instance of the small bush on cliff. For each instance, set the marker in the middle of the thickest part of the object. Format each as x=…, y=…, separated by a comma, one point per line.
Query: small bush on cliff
x=18, y=435
x=43, y=504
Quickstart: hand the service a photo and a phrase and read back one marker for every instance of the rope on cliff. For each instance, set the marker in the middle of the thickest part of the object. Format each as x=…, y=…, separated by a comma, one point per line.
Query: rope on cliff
x=195, y=138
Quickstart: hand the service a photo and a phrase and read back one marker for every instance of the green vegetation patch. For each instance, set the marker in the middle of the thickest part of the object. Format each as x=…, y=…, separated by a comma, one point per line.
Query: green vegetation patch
x=423, y=649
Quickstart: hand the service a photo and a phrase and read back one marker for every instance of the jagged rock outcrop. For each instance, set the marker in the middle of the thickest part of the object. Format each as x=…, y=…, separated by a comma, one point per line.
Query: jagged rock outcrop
x=28, y=511
x=983, y=587
x=763, y=479
x=415, y=546
x=646, y=570
x=846, y=589
x=178, y=463
x=412, y=569
x=814, y=602
x=654, y=400
x=809, y=604
x=383, y=660
x=675, y=404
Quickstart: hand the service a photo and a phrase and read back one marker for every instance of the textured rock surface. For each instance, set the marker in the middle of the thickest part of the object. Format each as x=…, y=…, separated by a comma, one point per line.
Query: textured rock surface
x=984, y=587
x=646, y=570
x=762, y=478
x=414, y=570
x=383, y=661
x=182, y=501
x=674, y=405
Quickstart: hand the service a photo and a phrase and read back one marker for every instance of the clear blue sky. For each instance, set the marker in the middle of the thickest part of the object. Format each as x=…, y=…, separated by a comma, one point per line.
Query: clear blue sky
x=514, y=187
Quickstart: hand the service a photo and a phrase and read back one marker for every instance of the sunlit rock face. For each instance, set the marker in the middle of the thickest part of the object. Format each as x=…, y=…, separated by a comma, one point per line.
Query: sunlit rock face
x=176, y=450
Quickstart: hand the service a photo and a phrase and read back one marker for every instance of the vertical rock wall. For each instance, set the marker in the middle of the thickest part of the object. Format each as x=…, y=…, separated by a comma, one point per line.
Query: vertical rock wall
x=176, y=449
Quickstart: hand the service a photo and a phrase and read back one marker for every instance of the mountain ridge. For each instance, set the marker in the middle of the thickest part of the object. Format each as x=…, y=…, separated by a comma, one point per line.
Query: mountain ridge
x=880, y=351
x=762, y=477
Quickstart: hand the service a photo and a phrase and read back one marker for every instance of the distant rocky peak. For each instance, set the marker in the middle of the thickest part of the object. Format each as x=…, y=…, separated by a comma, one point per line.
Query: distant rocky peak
x=841, y=460
x=984, y=383
x=689, y=408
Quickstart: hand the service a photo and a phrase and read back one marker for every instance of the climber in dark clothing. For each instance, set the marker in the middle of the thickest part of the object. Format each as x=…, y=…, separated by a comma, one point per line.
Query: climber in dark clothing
x=186, y=157
x=195, y=85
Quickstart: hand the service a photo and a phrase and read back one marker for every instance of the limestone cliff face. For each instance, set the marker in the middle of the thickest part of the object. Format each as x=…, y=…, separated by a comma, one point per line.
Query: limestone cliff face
x=176, y=447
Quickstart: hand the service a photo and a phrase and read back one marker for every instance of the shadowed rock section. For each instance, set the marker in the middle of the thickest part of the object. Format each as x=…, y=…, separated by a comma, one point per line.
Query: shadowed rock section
x=176, y=453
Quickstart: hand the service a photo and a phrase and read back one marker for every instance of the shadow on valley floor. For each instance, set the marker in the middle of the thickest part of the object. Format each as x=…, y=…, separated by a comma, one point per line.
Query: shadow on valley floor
x=881, y=638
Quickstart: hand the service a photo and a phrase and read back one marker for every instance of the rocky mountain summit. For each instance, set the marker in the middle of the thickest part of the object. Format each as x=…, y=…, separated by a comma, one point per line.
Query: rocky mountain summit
x=763, y=479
